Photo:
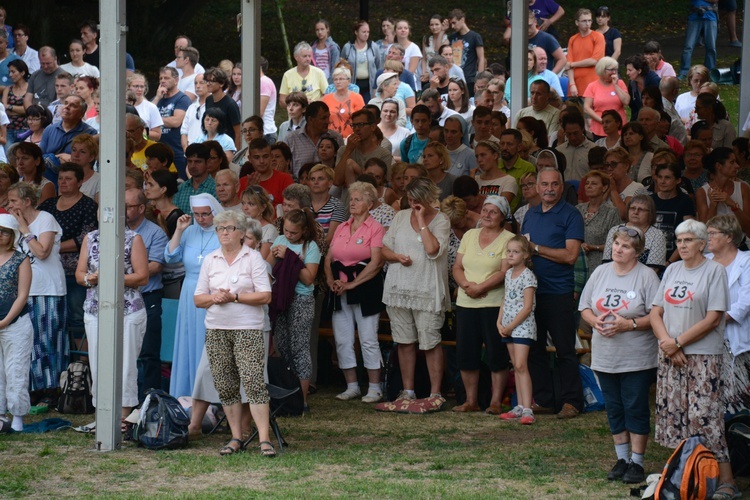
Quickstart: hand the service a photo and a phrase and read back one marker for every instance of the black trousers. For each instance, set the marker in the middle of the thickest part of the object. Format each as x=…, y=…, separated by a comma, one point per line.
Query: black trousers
x=555, y=315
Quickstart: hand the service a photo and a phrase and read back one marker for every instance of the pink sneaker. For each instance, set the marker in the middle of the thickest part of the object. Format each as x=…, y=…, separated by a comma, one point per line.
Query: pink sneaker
x=513, y=414
x=527, y=417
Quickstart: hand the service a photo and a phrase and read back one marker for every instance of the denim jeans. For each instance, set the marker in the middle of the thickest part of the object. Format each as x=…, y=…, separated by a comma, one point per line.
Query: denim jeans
x=709, y=28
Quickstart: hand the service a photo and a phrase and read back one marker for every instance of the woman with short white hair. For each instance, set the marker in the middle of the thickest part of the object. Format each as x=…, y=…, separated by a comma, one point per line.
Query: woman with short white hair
x=688, y=319
x=343, y=102
x=233, y=286
x=352, y=268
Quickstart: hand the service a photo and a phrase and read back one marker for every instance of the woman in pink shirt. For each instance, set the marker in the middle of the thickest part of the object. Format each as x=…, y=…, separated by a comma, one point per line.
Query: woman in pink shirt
x=352, y=267
x=608, y=92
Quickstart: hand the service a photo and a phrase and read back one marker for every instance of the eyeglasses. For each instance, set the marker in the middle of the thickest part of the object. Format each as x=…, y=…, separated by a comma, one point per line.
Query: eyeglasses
x=638, y=209
x=633, y=233
x=680, y=241
x=361, y=124
x=249, y=130
x=304, y=84
x=528, y=185
x=611, y=165
x=33, y=118
x=711, y=234
x=226, y=229
x=202, y=215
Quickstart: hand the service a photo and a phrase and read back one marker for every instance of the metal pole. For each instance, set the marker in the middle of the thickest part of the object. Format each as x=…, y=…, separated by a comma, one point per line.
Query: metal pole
x=745, y=75
x=250, y=58
x=111, y=225
x=519, y=42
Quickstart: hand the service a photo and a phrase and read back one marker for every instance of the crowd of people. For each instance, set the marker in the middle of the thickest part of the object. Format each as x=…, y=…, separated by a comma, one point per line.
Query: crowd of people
x=401, y=181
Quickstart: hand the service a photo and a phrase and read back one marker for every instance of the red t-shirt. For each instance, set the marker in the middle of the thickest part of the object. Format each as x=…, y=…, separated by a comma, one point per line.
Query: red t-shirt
x=274, y=186
x=604, y=97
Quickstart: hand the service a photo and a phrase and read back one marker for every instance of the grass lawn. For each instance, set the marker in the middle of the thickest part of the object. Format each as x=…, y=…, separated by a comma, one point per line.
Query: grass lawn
x=340, y=449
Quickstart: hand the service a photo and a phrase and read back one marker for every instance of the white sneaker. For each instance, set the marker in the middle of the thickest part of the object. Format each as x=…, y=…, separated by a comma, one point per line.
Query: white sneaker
x=349, y=394
x=372, y=397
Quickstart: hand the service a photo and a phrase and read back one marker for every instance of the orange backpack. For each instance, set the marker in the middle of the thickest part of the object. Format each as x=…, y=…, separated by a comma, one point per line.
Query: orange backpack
x=691, y=473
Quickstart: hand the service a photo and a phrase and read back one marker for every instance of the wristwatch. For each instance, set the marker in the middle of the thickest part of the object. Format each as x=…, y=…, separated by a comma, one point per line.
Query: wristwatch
x=635, y=324
x=536, y=249
x=236, y=297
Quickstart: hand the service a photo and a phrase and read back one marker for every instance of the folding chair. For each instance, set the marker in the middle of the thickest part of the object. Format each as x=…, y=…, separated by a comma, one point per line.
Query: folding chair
x=278, y=394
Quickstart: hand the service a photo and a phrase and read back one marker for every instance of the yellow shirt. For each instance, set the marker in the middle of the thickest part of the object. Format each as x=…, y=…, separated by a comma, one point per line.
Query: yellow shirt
x=479, y=264
x=139, y=158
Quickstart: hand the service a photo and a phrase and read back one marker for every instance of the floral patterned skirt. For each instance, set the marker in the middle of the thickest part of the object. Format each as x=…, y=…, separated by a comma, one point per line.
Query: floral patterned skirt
x=689, y=401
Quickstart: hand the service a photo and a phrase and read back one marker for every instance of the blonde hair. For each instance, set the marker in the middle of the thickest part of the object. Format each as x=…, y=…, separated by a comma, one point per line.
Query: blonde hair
x=328, y=171
x=442, y=152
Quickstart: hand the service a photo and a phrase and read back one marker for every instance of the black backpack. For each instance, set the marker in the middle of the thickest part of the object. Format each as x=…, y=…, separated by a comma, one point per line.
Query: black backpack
x=162, y=423
x=738, y=443
x=75, y=389
x=281, y=375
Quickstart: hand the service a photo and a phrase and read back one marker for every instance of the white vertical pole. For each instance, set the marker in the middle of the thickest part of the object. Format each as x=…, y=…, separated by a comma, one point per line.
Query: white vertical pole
x=519, y=61
x=250, y=58
x=111, y=224
x=745, y=76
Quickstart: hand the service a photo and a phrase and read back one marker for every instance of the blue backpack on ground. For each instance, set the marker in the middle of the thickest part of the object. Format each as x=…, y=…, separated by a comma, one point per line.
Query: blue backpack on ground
x=593, y=398
x=162, y=422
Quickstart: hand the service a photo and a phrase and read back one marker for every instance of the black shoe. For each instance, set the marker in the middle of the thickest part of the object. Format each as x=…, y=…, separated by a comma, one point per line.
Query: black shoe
x=305, y=408
x=634, y=474
x=618, y=470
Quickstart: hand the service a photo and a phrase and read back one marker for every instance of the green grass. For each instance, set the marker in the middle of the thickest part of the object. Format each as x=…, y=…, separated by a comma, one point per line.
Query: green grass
x=340, y=449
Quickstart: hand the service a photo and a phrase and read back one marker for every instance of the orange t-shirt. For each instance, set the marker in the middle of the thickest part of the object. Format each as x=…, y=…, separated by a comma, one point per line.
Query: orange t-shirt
x=341, y=112
x=580, y=48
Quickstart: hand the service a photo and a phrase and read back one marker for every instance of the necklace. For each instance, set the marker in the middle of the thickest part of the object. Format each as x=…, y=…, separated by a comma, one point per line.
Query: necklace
x=203, y=246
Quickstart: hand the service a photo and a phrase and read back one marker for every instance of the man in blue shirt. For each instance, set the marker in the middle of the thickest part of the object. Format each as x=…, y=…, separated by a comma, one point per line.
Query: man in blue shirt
x=555, y=230
x=703, y=18
x=172, y=104
x=155, y=240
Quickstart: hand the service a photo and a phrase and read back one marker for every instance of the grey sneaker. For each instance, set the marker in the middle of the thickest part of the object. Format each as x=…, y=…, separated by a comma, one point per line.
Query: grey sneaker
x=405, y=395
x=372, y=397
x=349, y=394
x=513, y=414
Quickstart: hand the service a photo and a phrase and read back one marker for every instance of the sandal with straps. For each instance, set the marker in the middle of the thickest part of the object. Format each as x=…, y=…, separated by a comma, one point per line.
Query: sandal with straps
x=267, y=452
x=227, y=449
x=726, y=491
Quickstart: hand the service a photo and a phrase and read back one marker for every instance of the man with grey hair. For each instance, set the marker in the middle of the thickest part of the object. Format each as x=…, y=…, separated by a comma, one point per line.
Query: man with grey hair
x=555, y=230
x=649, y=119
x=172, y=104
x=57, y=137
x=41, y=89
x=670, y=89
x=396, y=53
x=227, y=183
x=304, y=77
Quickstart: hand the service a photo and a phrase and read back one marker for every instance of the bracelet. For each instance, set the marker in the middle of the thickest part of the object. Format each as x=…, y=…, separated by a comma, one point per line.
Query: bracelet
x=422, y=228
x=635, y=324
x=86, y=281
x=677, y=343
x=29, y=238
x=735, y=207
x=236, y=297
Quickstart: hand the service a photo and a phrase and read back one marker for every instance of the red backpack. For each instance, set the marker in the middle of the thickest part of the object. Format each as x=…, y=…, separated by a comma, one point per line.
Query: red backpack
x=692, y=472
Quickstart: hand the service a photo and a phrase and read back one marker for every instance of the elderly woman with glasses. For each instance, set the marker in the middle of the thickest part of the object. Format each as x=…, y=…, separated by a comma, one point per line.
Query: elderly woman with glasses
x=190, y=245
x=616, y=302
x=608, y=92
x=343, y=102
x=688, y=318
x=232, y=287
x=641, y=214
x=724, y=239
